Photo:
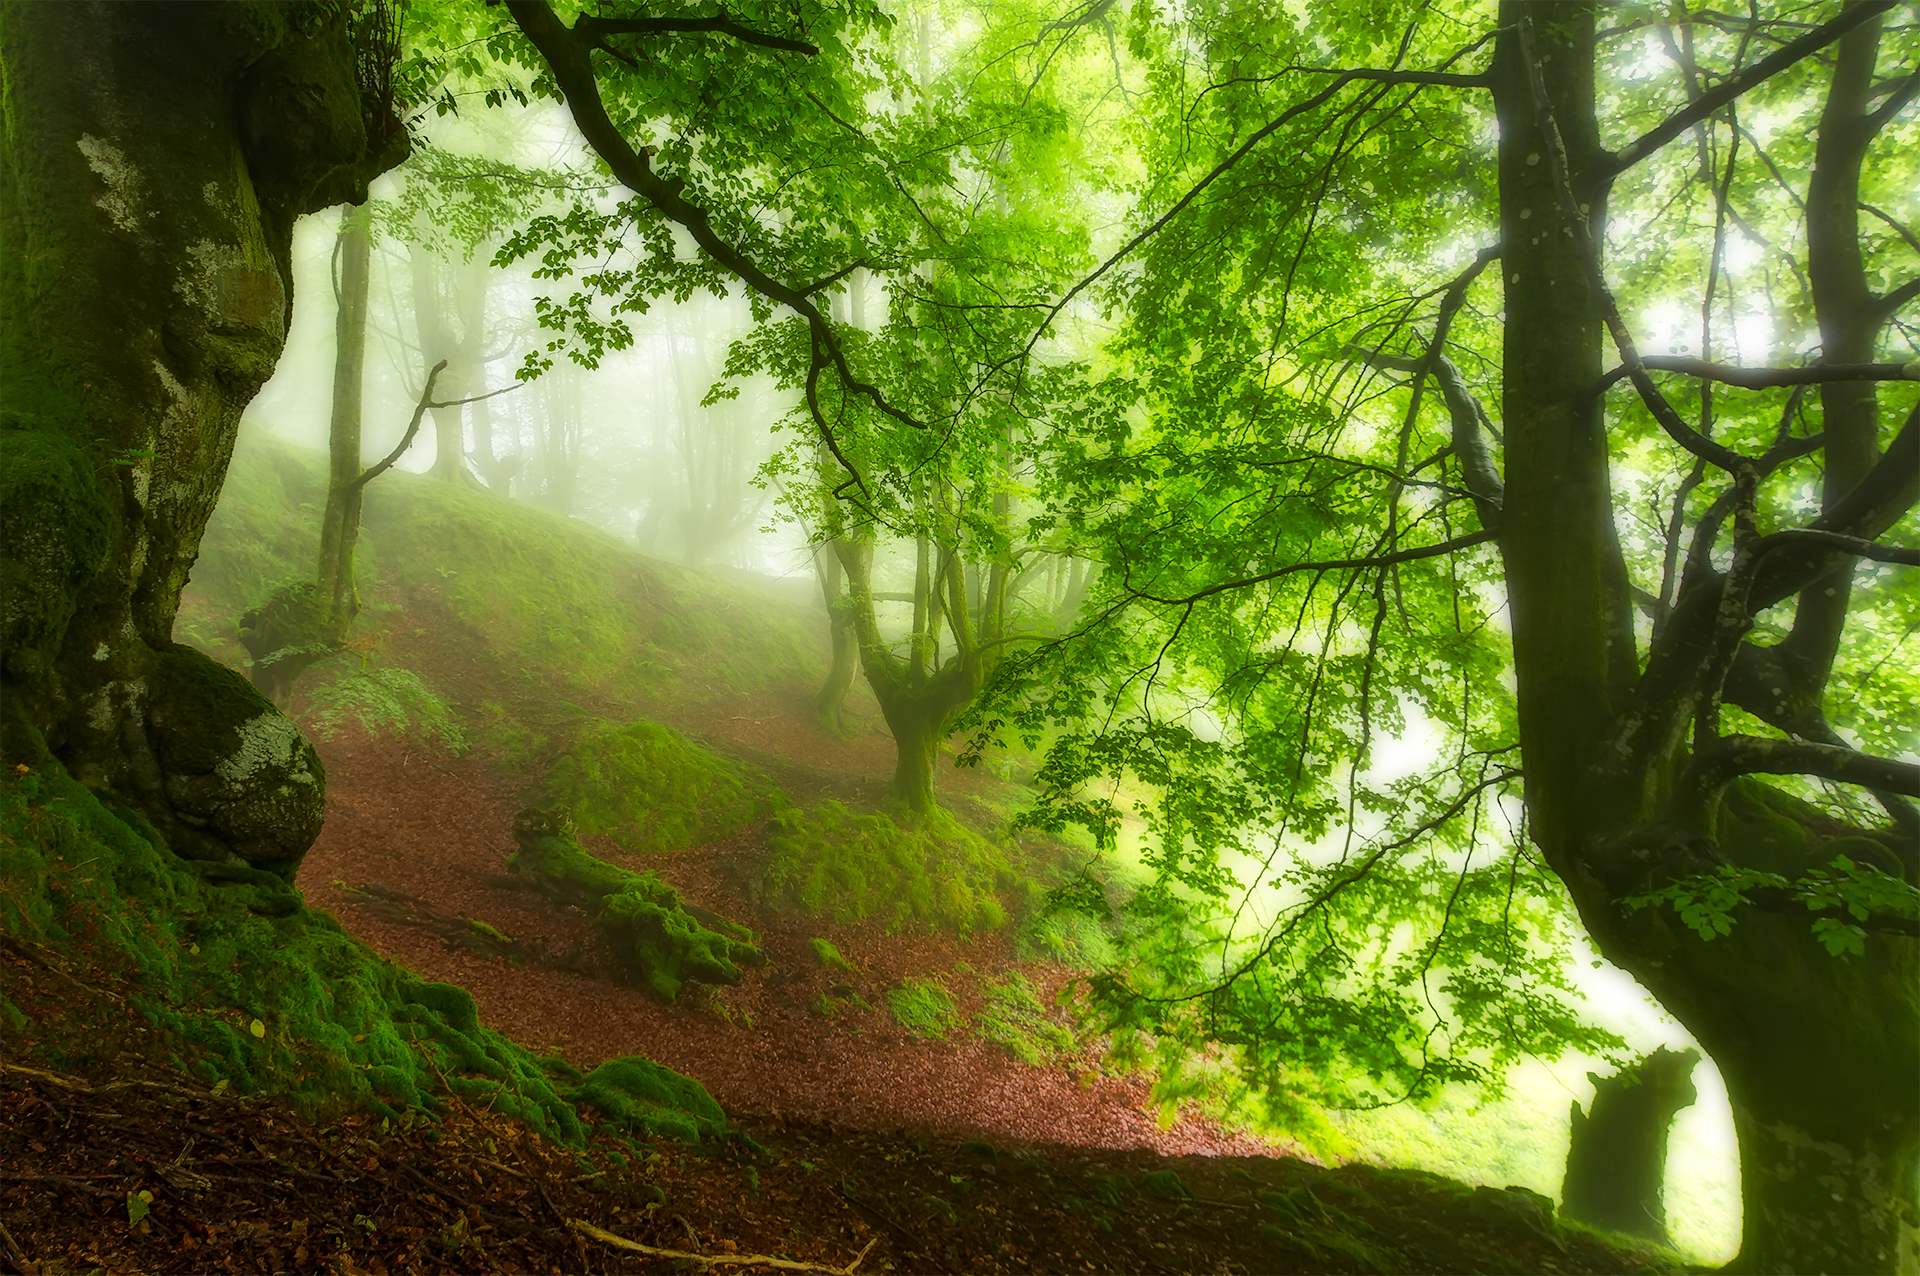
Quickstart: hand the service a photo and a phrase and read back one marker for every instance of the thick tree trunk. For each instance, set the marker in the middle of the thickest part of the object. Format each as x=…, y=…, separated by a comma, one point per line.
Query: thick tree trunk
x=1819, y=1053
x=155, y=159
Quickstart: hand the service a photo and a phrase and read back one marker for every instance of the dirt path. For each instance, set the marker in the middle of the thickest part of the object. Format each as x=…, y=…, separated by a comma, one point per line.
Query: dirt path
x=438, y=828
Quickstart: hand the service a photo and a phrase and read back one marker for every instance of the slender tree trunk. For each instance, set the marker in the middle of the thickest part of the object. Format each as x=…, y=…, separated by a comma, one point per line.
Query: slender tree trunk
x=340, y=524
x=829, y=703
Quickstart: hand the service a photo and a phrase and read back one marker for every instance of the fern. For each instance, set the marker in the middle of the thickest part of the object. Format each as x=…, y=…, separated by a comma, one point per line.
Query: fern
x=387, y=701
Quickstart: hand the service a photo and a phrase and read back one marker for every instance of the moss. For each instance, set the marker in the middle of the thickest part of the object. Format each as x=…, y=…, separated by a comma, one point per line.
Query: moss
x=664, y=943
x=924, y=1008
x=651, y=789
x=55, y=532
x=240, y=778
x=342, y=1027
x=828, y=860
x=827, y=955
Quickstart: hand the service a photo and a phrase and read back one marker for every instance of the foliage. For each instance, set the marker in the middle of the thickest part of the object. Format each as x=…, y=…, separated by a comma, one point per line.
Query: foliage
x=829, y=861
x=1014, y=1020
x=652, y=790
x=1705, y=902
x=386, y=700
x=258, y=992
x=924, y=1007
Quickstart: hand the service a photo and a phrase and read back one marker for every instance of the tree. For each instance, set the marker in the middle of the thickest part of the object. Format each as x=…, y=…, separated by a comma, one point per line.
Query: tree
x=1301, y=559
x=157, y=157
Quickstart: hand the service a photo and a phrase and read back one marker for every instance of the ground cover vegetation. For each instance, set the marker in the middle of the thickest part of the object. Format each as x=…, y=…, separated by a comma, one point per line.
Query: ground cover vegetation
x=1329, y=411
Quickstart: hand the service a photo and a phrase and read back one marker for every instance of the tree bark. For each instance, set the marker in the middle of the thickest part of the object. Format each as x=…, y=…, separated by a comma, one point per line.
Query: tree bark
x=156, y=157
x=829, y=703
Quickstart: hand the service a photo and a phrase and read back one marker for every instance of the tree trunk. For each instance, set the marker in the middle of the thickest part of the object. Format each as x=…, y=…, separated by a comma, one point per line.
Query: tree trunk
x=340, y=524
x=157, y=157
x=829, y=703
x=1617, y=1156
x=1819, y=1054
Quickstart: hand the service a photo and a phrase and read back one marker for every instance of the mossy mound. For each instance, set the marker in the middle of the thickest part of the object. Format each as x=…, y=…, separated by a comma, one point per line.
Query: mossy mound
x=651, y=789
x=829, y=861
x=662, y=941
x=251, y=988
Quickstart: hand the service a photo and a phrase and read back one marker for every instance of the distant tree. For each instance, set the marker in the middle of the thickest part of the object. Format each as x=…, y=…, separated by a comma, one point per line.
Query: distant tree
x=1617, y=1152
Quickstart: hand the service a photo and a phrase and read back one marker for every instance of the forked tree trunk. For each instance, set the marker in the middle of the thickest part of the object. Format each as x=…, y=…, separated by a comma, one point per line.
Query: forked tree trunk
x=341, y=521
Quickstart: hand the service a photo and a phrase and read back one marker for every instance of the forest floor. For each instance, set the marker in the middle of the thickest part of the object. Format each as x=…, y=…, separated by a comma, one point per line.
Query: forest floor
x=859, y=1146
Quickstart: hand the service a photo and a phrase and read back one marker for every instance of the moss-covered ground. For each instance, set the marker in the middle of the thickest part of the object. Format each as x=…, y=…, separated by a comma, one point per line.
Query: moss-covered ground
x=249, y=989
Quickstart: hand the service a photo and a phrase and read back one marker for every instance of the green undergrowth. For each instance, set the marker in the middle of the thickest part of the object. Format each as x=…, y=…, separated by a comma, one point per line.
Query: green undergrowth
x=827, y=955
x=248, y=987
x=833, y=862
x=651, y=789
x=924, y=1007
x=1014, y=1020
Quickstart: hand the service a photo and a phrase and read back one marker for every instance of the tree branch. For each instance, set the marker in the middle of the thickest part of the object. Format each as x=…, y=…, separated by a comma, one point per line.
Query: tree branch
x=1734, y=86
x=1589, y=250
x=1736, y=755
x=413, y=428
x=566, y=55
x=1839, y=543
x=596, y=29
x=1334, y=564
x=1766, y=378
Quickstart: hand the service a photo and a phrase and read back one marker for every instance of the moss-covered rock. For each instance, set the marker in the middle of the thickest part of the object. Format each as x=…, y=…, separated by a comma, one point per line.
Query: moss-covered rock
x=238, y=777
x=663, y=942
x=651, y=789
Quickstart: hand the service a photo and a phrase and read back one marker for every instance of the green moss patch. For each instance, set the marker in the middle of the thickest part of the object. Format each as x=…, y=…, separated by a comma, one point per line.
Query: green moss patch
x=249, y=987
x=651, y=789
x=827, y=955
x=832, y=862
x=386, y=701
x=1014, y=1020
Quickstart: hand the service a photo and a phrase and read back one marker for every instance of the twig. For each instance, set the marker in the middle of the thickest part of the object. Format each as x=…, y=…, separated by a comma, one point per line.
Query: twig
x=81, y=1087
x=62, y=1180
x=713, y=1260
x=21, y=1264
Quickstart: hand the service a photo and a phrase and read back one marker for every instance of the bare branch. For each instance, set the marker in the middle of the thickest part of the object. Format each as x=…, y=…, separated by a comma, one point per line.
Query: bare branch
x=1766, y=378
x=413, y=428
x=1734, y=86
x=1841, y=544
x=1442, y=79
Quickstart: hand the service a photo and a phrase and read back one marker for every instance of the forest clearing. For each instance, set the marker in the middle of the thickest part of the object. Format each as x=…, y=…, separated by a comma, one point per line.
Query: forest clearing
x=878, y=635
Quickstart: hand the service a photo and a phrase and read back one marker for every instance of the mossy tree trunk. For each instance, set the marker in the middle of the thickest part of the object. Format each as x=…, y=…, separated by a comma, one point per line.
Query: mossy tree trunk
x=917, y=693
x=156, y=157
x=1630, y=783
